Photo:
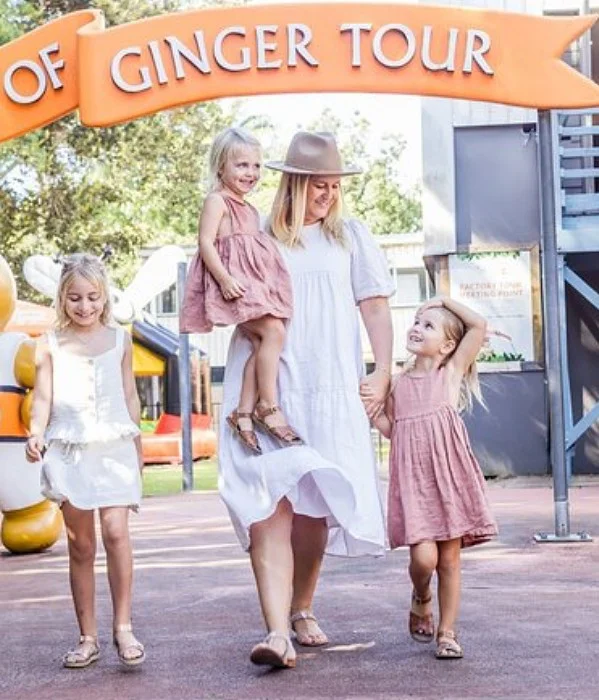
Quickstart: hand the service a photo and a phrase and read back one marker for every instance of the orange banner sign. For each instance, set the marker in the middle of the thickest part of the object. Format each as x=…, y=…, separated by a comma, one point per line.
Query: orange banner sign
x=121, y=73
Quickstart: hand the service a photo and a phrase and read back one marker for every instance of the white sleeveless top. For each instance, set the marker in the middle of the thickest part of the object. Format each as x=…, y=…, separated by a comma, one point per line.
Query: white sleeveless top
x=88, y=398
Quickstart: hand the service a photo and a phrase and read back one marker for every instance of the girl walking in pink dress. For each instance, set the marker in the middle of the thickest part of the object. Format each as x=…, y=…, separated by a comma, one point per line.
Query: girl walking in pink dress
x=437, y=502
x=238, y=277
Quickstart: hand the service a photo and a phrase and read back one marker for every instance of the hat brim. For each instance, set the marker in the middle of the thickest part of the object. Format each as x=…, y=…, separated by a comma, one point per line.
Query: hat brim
x=282, y=167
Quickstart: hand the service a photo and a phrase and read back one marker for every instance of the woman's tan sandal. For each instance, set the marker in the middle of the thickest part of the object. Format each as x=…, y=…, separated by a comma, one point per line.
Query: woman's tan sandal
x=317, y=638
x=284, y=434
x=85, y=653
x=248, y=437
x=447, y=645
x=265, y=654
x=131, y=652
x=422, y=627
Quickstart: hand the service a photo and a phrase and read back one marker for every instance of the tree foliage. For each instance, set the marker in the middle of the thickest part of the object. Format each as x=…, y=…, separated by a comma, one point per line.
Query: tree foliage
x=70, y=188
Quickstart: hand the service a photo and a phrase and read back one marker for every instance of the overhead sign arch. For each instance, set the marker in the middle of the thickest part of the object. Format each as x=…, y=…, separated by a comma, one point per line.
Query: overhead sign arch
x=128, y=71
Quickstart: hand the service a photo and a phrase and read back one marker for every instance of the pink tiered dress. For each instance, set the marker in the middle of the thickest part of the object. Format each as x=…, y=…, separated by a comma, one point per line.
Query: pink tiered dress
x=252, y=258
x=436, y=487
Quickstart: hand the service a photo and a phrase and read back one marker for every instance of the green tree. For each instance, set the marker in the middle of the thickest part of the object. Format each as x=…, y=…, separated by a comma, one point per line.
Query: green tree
x=376, y=196
x=69, y=188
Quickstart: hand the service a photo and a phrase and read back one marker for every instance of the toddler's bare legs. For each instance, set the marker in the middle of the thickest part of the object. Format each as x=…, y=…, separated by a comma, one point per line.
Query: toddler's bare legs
x=424, y=559
x=81, y=539
x=271, y=334
x=450, y=579
x=249, y=385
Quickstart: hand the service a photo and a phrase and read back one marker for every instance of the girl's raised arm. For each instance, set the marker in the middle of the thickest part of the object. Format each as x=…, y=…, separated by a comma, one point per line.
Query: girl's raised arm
x=470, y=345
x=42, y=402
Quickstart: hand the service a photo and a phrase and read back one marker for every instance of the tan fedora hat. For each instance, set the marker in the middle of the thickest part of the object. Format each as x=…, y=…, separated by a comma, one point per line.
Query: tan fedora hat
x=313, y=154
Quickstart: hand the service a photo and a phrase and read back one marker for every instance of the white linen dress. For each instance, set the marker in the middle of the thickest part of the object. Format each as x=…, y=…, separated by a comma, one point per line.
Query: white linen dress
x=91, y=459
x=334, y=474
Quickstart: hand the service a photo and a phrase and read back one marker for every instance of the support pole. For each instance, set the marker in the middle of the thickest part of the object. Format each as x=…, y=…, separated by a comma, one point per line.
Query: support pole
x=550, y=259
x=184, y=389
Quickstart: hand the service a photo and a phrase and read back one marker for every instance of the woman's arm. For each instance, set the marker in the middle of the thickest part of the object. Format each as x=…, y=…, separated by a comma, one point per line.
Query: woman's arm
x=210, y=219
x=376, y=315
x=42, y=403
x=131, y=395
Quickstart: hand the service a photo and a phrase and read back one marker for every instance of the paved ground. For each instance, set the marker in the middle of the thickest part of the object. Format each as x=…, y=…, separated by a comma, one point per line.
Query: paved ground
x=529, y=626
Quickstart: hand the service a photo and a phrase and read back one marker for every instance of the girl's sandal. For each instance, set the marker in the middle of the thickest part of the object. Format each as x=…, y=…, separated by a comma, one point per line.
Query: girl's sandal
x=317, y=639
x=284, y=434
x=85, y=653
x=422, y=627
x=130, y=651
x=447, y=645
x=265, y=654
x=248, y=437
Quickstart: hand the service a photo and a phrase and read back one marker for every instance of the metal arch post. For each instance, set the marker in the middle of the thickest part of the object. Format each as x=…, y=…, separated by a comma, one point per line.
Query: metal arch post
x=554, y=366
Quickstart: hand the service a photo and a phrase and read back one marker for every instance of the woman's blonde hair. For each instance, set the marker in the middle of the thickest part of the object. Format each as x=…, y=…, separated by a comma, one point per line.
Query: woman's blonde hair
x=289, y=210
x=91, y=269
x=225, y=146
x=455, y=330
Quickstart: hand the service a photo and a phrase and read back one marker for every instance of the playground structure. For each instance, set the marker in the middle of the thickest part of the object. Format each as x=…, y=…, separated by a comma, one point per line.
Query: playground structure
x=31, y=523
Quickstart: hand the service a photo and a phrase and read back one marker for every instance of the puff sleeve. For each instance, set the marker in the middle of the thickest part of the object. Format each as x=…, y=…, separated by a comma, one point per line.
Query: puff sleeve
x=369, y=271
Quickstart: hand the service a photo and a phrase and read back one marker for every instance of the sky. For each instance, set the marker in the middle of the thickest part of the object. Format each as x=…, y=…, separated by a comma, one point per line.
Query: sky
x=386, y=113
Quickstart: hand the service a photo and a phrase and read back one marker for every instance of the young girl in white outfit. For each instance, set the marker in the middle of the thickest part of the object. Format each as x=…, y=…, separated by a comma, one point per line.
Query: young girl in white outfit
x=85, y=419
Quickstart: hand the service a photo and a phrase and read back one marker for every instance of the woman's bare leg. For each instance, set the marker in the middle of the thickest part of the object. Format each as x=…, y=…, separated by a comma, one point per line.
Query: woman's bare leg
x=81, y=538
x=272, y=563
x=308, y=539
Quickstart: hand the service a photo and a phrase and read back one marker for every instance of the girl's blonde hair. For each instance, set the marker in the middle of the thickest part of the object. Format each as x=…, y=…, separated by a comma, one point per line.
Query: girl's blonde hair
x=91, y=269
x=225, y=146
x=455, y=330
x=289, y=209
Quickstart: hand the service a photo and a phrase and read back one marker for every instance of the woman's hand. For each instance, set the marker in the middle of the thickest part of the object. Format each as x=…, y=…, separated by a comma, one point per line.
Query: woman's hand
x=35, y=448
x=373, y=392
x=231, y=288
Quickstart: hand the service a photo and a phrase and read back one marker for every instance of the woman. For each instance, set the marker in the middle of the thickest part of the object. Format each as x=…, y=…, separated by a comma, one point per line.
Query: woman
x=290, y=505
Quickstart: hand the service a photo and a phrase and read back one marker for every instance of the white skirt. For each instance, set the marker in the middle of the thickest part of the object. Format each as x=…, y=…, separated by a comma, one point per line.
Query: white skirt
x=94, y=475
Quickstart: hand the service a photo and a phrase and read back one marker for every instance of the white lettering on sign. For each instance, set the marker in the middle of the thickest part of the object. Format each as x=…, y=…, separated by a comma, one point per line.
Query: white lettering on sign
x=427, y=61
x=117, y=76
x=355, y=29
x=41, y=77
x=476, y=55
x=262, y=46
x=478, y=43
x=377, y=45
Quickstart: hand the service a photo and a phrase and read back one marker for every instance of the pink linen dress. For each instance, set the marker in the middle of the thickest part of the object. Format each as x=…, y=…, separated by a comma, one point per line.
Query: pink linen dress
x=436, y=487
x=252, y=258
